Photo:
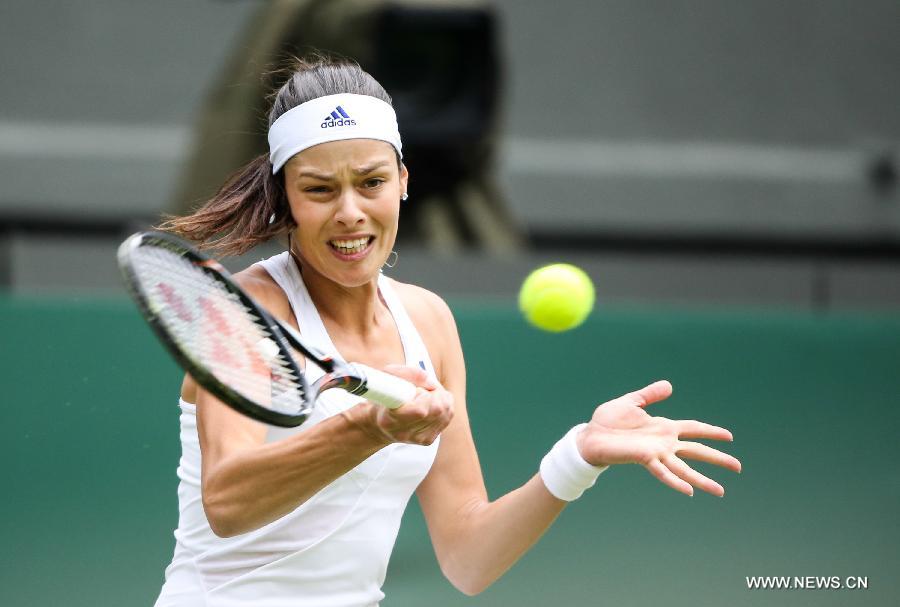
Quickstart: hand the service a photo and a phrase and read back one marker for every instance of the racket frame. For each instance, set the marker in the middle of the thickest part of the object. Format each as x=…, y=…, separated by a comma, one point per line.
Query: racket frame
x=355, y=378
x=199, y=372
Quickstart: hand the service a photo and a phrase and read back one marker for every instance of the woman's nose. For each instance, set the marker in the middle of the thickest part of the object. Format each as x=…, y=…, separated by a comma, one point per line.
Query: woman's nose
x=349, y=210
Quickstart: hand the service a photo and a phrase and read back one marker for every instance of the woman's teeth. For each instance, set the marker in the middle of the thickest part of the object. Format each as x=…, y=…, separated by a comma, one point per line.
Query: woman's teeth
x=348, y=247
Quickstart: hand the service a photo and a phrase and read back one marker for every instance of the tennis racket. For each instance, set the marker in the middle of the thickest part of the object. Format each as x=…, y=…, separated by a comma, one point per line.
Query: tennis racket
x=229, y=344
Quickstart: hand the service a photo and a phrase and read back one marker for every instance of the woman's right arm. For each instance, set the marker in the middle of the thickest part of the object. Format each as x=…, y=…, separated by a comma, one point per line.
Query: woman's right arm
x=248, y=483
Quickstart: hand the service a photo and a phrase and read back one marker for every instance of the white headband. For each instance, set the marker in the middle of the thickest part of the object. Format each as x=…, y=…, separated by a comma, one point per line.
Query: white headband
x=331, y=118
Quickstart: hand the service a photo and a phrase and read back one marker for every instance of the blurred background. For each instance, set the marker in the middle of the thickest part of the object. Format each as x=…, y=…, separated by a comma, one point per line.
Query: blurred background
x=725, y=171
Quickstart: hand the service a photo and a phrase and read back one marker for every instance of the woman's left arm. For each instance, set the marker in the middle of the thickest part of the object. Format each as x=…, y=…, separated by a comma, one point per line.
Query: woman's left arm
x=476, y=540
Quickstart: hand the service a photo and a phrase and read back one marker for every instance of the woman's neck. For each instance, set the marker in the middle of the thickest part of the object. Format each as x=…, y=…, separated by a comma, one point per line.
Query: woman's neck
x=357, y=310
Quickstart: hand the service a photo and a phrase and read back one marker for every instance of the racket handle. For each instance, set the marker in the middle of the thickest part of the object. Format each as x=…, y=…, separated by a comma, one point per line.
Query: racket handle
x=385, y=389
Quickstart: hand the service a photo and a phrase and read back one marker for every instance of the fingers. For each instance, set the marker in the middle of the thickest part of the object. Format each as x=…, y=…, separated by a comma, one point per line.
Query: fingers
x=413, y=375
x=688, y=474
x=653, y=393
x=694, y=429
x=704, y=453
x=419, y=421
x=437, y=407
x=667, y=477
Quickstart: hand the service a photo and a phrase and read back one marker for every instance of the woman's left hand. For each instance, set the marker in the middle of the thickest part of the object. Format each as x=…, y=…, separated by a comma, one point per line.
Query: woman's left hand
x=622, y=432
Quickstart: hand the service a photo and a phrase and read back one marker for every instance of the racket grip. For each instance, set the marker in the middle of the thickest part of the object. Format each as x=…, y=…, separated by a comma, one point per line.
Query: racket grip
x=385, y=389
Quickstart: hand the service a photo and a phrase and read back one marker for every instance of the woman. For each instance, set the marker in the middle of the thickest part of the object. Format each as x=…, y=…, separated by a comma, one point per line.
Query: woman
x=308, y=516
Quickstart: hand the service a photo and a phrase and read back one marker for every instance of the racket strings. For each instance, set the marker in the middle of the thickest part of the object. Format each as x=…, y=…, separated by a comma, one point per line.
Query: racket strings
x=213, y=327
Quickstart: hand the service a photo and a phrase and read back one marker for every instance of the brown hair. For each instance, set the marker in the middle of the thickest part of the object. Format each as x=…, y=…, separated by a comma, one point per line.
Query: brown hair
x=237, y=218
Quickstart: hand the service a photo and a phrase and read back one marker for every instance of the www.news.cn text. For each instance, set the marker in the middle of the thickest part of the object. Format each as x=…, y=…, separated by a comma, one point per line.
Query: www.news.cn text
x=807, y=582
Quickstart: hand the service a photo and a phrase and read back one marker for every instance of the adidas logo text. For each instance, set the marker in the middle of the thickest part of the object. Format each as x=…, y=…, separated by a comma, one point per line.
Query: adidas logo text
x=338, y=117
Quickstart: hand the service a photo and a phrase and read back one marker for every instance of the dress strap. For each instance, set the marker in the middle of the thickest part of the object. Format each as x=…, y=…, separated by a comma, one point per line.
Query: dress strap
x=285, y=273
x=413, y=346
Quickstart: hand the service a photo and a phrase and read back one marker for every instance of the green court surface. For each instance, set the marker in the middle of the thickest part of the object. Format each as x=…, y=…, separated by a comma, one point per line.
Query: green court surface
x=89, y=429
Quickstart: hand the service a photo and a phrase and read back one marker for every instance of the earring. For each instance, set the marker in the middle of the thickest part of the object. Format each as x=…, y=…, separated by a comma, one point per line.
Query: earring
x=404, y=196
x=391, y=260
x=271, y=218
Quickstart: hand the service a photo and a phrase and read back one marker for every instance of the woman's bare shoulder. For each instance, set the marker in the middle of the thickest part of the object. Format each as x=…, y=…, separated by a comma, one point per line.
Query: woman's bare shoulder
x=435, y=323
x=263, y=288
x=425, y=308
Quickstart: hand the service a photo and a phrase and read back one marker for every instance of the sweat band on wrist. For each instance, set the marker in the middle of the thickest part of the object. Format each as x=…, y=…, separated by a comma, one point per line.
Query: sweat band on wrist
x=331, y=118
x=565, y=473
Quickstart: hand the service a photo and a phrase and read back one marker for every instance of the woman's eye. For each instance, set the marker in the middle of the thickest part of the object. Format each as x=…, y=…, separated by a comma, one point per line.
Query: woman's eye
x=374, y=182
x=317, y=189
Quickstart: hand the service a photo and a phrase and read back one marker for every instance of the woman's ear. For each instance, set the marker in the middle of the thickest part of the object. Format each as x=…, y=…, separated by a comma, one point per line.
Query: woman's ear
x=404, y=180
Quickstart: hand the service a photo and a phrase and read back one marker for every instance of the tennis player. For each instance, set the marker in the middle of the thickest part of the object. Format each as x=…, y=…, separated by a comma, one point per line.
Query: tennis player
x=307, y=517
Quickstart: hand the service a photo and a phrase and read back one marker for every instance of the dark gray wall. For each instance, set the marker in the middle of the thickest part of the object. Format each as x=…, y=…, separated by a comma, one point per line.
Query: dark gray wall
x=702, y=117
x=629, y=120
x=797, y=72
x=636, y=116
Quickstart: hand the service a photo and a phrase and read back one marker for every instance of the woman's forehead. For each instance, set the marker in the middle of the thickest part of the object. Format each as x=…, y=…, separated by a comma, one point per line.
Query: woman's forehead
x=346, y=153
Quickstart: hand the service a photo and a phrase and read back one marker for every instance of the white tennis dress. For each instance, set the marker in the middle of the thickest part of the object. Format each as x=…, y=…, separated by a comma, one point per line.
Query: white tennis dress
x=333, y=550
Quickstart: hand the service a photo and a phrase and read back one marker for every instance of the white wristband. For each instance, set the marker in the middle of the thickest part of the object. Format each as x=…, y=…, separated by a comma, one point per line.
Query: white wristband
x=565, y=473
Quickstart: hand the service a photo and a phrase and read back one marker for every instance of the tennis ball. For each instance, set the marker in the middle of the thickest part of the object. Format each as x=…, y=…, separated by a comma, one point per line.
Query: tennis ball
x=557, y=297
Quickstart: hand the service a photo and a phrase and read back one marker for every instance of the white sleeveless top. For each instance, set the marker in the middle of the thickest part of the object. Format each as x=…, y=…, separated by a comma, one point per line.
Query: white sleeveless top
x=333, y=550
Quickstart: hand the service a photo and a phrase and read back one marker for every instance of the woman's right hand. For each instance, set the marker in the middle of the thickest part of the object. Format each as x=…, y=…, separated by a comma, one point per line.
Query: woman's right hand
x=418, y=422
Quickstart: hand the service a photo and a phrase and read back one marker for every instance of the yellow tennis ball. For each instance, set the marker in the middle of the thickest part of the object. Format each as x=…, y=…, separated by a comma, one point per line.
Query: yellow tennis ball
x=557, y=297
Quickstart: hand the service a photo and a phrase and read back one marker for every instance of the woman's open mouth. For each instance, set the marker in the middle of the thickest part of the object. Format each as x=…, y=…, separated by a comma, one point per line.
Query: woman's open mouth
x=351, y=248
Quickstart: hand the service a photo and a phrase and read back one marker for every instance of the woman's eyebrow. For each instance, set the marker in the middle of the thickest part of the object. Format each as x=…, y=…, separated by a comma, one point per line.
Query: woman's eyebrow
x=371, y=167
x=314, y=175
x=363, y=170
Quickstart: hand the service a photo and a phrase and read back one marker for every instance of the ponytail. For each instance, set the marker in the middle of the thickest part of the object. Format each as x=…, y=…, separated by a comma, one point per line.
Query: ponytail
x=250, y=209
